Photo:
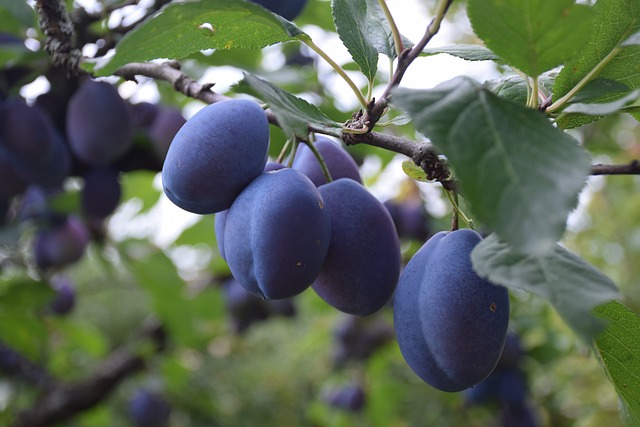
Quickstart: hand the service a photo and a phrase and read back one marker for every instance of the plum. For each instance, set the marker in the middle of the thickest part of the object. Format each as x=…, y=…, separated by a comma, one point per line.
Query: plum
x=149, y=409
x=338, y=161
x=101, y=193
x=62, y=244
x=450, y=324
x=362, y=266
x=215, y=155
x=99, y=125
x=276, y=234
x=164, y=128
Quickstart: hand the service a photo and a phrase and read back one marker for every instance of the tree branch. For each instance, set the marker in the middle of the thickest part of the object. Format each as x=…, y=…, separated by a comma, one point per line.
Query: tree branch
x=56, y=24
x=377, y=109
x=61, y=402
x=632, y=168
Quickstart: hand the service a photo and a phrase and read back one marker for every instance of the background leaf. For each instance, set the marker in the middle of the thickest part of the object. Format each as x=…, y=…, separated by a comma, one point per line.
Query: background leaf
x=615, y=21
x=379, y=31
x=531, y=35
x=181, y=29
x=619, y=351
x=567, y=281
x=352, y=25
x=603, y=108
x=294, y=114
x=186, y=317
x=508, y=159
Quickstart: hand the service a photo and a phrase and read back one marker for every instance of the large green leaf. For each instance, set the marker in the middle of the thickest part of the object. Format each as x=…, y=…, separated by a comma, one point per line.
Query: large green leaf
x=615, y=22
x=520, y=175
x=294, y=114
x=531, y=35
x=352, y=25
x=181, y=29
x=619, y=352
x=573, y=286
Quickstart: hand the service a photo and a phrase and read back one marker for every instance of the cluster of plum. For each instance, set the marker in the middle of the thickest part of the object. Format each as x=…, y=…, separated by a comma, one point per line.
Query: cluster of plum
x=282, y=230
x=92, y=140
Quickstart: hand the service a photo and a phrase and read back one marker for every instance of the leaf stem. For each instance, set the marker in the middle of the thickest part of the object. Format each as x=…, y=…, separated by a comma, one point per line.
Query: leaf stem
x=397, y=38
x=323, y=164
x=582, y=83
x=534, y=97
x=457, y=212
x=337, y=68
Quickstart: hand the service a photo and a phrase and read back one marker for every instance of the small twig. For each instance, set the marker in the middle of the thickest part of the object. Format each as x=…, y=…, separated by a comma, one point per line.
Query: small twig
x=632, y=168
x=406, y=57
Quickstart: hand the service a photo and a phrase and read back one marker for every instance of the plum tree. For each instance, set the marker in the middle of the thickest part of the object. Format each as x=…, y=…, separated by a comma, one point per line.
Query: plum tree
x=362, y=266
x=288, y=9
x=98, y=123
x=276, y=234
x=215, y=155
x=338, y=161
x=450, y=324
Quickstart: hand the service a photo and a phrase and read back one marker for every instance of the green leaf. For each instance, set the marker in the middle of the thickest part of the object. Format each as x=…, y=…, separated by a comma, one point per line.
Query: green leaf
x=509, y=159
x=139, y=185
x=615, y=22
x=22, y=300
x=618, y=349
x=181, y=29
x=514, y=88
x=604, y=108
x=470, y=52
x=573, y=286
x=414, y=171
x=16, y=17
x=352, y=25
x=294, y=114
x=623, y=68
x=379, y=32
x=531, y=35
x=598, y=89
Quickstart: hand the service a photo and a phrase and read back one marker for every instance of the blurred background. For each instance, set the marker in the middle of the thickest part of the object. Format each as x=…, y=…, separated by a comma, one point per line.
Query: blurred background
x=150, y=287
